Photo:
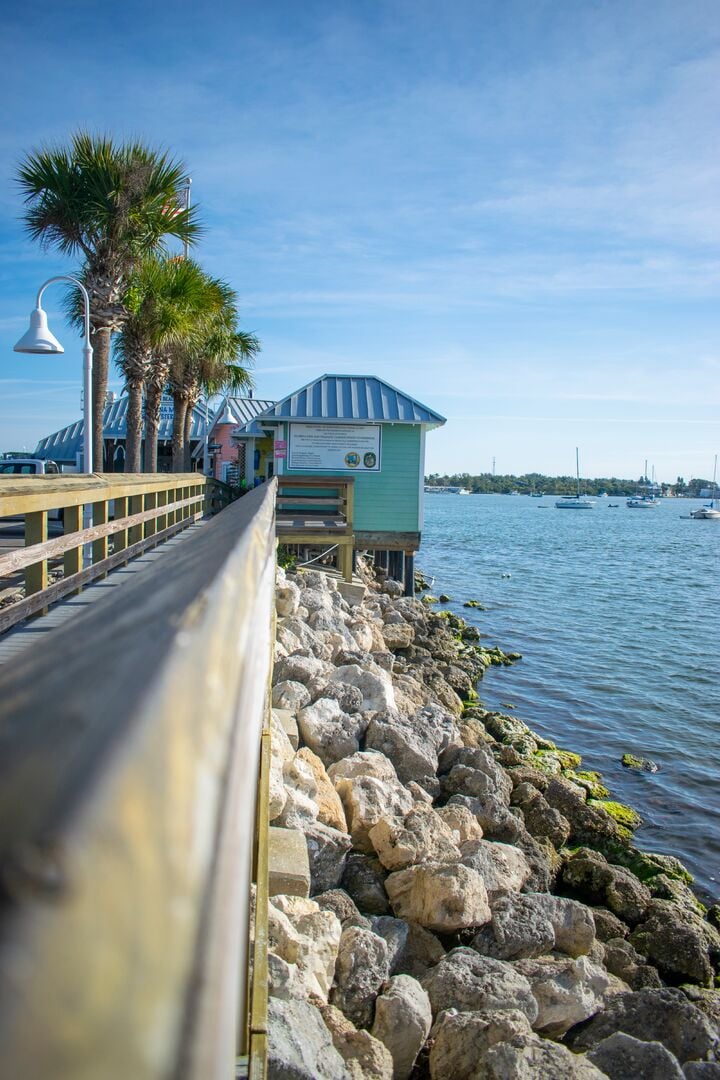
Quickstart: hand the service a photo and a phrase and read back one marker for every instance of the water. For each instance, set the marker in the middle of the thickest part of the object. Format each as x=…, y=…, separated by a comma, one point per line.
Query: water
x=616, y=614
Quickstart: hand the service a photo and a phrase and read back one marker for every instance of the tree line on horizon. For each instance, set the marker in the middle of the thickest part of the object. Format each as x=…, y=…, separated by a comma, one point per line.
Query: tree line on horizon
x=169, y=325
x=535, y=483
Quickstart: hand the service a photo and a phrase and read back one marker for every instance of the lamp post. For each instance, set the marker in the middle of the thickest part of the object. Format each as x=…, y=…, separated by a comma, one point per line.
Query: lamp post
x=40, y=341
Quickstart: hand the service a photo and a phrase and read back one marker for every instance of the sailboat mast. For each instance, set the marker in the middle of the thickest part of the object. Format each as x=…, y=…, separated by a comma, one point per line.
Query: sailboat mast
x=577, y=469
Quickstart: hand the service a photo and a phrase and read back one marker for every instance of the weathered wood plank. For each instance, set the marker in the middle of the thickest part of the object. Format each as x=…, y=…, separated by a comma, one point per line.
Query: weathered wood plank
x=17, y=559
x=25, y=494
x=387, y=541
x=72, y=523
x=127, y=782
x=100, y=545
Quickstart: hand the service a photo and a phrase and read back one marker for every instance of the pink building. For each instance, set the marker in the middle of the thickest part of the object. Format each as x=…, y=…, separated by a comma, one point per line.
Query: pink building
x=224, y=454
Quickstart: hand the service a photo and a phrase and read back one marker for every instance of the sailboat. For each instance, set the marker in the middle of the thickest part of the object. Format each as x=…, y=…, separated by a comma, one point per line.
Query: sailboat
x=575, y=502
x=710, y=512
x=643, y=500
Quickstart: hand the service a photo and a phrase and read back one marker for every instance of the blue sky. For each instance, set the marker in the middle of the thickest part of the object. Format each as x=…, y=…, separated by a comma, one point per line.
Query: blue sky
x=508, y=209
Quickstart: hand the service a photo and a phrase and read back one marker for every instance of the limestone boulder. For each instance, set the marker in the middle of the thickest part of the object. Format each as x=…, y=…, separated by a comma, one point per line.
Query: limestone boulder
x=496, y=820
x=328, y=731
x=301, y=669
x=622, y=960
x=287, y=598
x=683, y=946
x=360, y=970
x=503, y=868
x=663, y=1015
x=330, y=808
x=607, y=925
x=327, y=854
x=364, y=763
x=478, y=783
x=422, y=836
x=439, y=897
x=461, y=822
x=462, y=1039
x=365, y=1057
x=376, y=685
x=519, y=928
x=398, y=635
x=402, y=1022
x=368, y=800
x=541, y=819
x=306, y=938
x=412, y=950
x=348, y=697
x=410, y=694
x=344, y=907
x=468, y=982
x=302, y=632
x=364, y=880
x=588, y=876
x=290, y=695
x=620, y=1056
x=299, y=1044
x=536, y=1059
x=566, y=991
x=410, y=751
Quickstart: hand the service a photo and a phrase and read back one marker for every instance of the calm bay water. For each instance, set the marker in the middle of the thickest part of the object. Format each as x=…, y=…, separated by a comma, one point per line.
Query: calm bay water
x=617, y=615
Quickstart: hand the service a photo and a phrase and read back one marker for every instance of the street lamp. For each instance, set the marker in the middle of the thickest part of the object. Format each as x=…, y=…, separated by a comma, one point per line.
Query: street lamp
x=40, y=341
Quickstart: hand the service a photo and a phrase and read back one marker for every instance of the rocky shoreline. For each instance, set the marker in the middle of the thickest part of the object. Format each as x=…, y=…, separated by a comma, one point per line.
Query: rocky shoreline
x=477, y=905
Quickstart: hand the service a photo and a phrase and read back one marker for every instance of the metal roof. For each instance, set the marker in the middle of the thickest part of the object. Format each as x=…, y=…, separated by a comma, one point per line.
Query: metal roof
x=65, y=444
x=343, y=398
x=240, y=410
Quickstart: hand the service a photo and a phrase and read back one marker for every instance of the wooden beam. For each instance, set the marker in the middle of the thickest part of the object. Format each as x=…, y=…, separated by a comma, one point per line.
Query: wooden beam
x=386, y=541
x=127, y=782
x=72, y=523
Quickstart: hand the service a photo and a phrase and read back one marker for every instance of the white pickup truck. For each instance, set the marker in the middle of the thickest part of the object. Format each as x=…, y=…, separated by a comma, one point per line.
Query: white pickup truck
x=28, y=466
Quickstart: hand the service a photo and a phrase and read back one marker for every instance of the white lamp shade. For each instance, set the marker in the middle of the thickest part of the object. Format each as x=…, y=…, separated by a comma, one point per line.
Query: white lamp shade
x=38, y=338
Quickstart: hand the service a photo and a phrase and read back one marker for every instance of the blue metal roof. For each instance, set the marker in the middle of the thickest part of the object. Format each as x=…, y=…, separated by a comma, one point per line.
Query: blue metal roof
x=344, y=398
x=65, y=444
x=241, y=410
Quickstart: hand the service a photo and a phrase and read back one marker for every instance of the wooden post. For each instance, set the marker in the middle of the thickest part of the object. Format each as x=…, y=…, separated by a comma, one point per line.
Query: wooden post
x=36, y=576
x=345, y=554
x=72, y=522
x=150, y=504
x=100, y=516
x=120, y=539
x=162, y=520
x=409, y=573
x=135, y=533
x=349, y=505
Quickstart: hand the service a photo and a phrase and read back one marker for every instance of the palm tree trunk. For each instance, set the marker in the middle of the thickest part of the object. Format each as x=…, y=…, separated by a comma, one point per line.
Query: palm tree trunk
x=178, y=434
x=186, y=435
x=152, y=426
x=133, y=438
x=101, y=365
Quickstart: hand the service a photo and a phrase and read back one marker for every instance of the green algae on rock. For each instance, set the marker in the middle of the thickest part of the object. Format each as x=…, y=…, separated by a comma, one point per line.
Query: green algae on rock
x=475, y=604
x=630, y=761
x=624, y=815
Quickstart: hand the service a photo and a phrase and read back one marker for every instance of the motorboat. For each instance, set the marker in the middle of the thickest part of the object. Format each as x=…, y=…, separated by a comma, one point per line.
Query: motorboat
x=578, y=501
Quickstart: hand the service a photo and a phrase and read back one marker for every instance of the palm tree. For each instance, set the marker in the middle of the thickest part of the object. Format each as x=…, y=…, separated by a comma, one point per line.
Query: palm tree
x=162, y=300
x=211, y=360
x=109, y=203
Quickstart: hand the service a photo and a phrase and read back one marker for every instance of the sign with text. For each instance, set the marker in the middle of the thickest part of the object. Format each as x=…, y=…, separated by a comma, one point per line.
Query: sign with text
x=335, y=447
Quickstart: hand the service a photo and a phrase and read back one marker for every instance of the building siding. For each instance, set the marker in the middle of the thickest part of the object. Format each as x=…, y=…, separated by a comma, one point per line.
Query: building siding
x=388, y=501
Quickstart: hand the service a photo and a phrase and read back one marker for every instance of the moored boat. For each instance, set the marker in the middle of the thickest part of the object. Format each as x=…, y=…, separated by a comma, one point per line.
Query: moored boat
x=711, y=511
x=578, y=501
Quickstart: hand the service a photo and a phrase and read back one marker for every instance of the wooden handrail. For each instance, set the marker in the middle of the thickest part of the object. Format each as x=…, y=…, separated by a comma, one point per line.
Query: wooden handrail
x=26, y=494
x=128, y=778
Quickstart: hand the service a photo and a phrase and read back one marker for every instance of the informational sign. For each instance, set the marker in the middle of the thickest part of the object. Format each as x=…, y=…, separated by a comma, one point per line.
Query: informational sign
x=167, y=407
x=335, y=447
x=280, y=451
x=280, y=444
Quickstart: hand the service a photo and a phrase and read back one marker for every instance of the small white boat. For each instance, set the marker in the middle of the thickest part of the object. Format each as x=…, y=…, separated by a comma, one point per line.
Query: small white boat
x=645, y=499
x=578, y=501
x=710, y=511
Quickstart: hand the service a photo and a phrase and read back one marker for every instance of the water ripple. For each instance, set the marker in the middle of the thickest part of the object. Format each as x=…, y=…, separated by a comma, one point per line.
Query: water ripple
x=617, y=617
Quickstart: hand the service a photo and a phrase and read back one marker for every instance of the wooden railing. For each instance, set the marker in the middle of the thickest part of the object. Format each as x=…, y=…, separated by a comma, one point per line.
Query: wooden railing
x=128, y=512
x=318, y=511
x=128, y=833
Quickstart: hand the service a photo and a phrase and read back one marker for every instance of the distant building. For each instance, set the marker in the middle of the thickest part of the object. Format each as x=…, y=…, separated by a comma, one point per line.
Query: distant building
x=65, y=446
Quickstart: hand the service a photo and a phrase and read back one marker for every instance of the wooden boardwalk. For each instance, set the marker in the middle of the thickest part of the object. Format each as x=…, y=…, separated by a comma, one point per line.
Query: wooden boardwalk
x=33, y=633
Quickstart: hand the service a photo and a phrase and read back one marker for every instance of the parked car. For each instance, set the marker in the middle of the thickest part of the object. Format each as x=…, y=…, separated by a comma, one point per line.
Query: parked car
x=28, y=466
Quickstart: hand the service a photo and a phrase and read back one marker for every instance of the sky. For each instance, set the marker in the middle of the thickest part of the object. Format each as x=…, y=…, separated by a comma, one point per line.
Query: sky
x=507, y=208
